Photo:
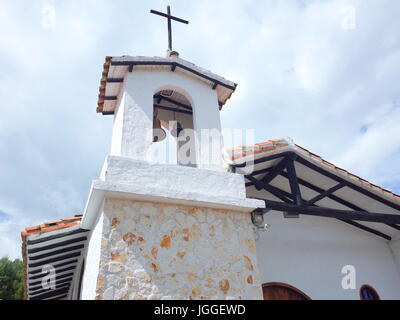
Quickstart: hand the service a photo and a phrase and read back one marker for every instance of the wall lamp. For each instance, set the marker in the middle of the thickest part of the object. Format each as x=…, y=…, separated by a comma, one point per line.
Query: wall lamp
x=257, y=217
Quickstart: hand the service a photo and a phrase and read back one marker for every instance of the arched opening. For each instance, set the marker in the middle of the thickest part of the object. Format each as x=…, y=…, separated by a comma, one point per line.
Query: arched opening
x=173, y=114
x=368, y=293
x=282, y=291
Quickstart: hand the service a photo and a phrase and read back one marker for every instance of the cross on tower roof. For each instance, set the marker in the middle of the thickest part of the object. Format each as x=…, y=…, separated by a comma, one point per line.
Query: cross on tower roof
x=169, y=17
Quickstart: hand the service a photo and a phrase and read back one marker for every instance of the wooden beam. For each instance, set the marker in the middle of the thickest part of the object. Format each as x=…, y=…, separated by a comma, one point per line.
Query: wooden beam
x=173, y=109
x=56, y=259
x=352, y=223
x=110, y=98
x=260, y=160
x=368, y=229
x=350, y=185
x=37, y=284
x=334, y=213
x=294, y=184
x=50, y=294
x=168, y=63
x=55, y=252
x=62, y=264
x=326, y=193
x=280, y=194
x=276, y=170
x=179, y=104
x=115, y=80
x=334, y=198
x=261, y=171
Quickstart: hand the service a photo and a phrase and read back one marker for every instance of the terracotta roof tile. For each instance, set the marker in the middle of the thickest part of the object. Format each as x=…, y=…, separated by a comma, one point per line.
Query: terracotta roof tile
x=269, y=145
x=51, y=226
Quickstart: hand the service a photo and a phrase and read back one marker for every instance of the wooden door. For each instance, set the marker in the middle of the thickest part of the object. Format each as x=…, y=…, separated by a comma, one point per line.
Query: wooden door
x=282, y=291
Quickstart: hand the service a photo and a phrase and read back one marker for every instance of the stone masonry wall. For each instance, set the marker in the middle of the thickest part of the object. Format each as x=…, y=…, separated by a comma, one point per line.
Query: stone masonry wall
x=163, y=251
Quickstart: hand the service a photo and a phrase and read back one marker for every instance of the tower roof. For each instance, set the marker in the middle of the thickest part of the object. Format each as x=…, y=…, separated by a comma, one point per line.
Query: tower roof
x=115, y=69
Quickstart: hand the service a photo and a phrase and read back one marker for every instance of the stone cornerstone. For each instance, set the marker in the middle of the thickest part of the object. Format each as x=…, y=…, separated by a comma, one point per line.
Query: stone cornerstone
x=162, y=251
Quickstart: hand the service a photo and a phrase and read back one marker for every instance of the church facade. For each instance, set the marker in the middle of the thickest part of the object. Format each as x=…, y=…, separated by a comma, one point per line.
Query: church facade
x=265, y=221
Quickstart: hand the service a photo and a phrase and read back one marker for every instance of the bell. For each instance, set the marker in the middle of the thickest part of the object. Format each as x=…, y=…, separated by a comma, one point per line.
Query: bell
x=159, y=133
x=176, y=130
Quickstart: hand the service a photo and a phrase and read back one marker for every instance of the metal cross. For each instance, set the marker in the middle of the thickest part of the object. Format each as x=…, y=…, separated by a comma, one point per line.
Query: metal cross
x=169, y=17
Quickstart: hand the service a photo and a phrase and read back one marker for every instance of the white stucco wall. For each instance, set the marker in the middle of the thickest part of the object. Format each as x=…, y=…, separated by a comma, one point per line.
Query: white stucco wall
x=135, y=129
x=117, y=131
x=92, y=261
x=309, y=253
x=395, y=248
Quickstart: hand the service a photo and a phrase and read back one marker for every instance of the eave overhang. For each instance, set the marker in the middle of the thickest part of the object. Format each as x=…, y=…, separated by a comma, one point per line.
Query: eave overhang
x=116, y=68
x=59, y=244
x=286, y=175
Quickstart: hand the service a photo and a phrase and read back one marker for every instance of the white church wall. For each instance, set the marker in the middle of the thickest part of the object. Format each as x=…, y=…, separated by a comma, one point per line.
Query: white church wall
x=140, y=86
x=395, y=248
x=166, y=251
x=309, y=253
x=118, y=125
x=92, y=261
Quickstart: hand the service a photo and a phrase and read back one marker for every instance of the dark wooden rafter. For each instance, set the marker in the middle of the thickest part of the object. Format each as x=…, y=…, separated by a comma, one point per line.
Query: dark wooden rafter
x=367, y=229
x=326, y=193
x=287, y=162
x=115, y=80
x=352, y=223
x=52, y=253
x=276, y=170
x=57, y=286
x=349, y=184
x=294, y=184
x=280, y=194
x=172, y=109
x=56, y=259
x=57, y=236
x=260, y=160
x=50, y=294
x=57, y=244
x=40, y=275
x=58, y=279
x=177, y=103
x=131, y=64
x=61, y=264
x=333, y=213
x=110, y=98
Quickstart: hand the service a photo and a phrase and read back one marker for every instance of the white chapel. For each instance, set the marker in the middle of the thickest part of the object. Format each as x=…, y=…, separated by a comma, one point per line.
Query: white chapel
x=265, y=221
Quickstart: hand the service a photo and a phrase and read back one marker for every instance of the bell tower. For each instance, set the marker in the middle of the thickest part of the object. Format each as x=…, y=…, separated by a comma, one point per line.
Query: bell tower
x=149, y=95
x=167, y=230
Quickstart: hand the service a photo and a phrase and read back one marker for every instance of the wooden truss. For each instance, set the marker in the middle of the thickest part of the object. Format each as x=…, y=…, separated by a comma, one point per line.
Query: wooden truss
x=293, y=203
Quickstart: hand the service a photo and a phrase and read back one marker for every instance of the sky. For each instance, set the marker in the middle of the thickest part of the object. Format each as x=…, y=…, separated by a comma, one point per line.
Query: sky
x=325, y=73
